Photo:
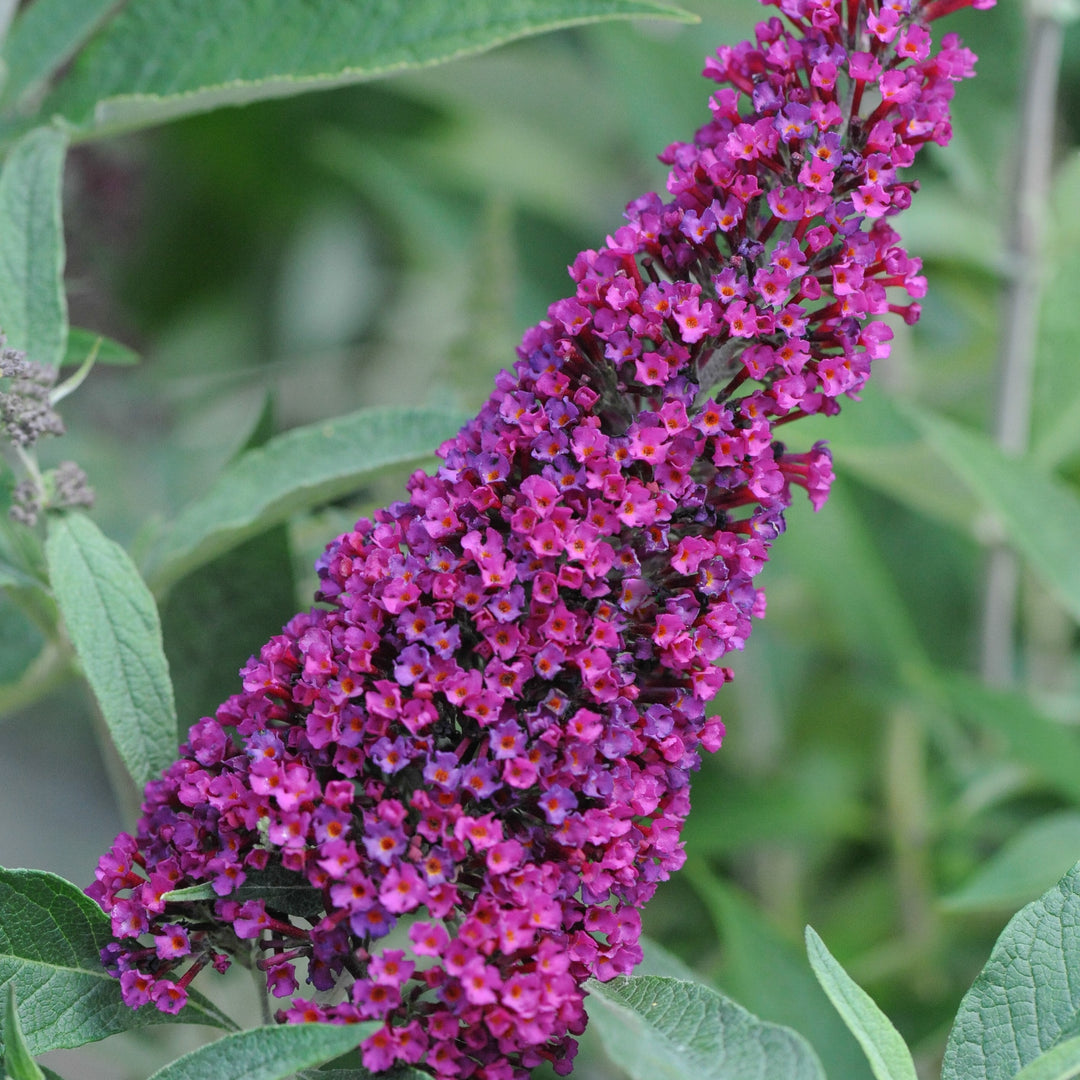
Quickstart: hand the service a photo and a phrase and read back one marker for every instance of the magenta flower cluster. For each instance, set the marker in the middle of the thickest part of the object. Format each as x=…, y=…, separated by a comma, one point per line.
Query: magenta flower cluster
x=442, y=798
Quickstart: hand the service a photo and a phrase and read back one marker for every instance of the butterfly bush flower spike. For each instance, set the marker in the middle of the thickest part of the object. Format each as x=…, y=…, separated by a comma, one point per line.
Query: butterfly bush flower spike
x=472, y=762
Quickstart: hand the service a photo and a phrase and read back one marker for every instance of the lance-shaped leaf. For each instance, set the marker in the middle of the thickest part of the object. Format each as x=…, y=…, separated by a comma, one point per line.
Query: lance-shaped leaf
x=81, y=343
x=43, y=37
x=19, y=1063
x=51, y=937
x=267, y=1053
x=770, y=976
x=1056, y=400
x=113, y=624
x=1061, y=1063
x=33, y=310
x=1032, y=737
x=1040, y=513
x=401, y=1072
x=1026, y=866
x=283, y=890
x=159, y=59
x=666, y=1029
x=211, y=624
x=302, y=468
x=1026, y=999
x=885, y=1049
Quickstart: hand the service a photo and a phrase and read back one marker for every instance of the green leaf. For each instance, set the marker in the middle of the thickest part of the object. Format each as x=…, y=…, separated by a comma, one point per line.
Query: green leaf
x=160, y=59
x=113, y=625
x=51, y=936
x=871, y=608
x=656, y=960
x=797, y=807
x=267, y=1053
x=7, y=13
x=1050, y=748
x=475, y=358
x=21, y=555
x=770, y=976
x=667, y=1029
x=881, y=447
x=1040, y=514
x=33, y=309
x=402, y=1072
x=1021, y=1004
x=946, y=223
x=1061, y=1063
x=885, y=1049
x=19, y=1063
x=43, y=37
x=295, y=471
x=10, y=576
x=226, y=607
x=81, y=343
x=20, y=642
x=1024, y=868
x=283, y=890
x=1056, y=400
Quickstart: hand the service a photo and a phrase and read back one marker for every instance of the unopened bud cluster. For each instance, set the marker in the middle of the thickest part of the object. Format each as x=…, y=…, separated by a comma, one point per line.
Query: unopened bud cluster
x=27, y=415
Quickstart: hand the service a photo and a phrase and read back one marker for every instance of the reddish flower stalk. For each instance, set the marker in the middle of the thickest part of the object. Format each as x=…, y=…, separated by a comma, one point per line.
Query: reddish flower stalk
x=485, y=738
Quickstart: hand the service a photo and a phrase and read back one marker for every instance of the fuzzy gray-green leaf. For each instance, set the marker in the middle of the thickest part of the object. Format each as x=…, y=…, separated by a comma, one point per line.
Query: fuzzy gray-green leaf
x=1027, y=998
x=19, y=1063
x=266, y=1053
x=51, y=936
x=1060, y=1063
x=33, y=308
x=667, y=1029
x=113, y=624
x=885, y=1049
x=160, y=59
x=43, y=37
x=295, y=471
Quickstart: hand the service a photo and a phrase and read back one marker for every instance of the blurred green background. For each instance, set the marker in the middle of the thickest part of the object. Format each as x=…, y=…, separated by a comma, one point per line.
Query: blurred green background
x=289, y=261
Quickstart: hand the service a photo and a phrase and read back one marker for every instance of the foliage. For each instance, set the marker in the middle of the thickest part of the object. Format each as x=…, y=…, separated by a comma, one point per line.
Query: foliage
x=371, y=253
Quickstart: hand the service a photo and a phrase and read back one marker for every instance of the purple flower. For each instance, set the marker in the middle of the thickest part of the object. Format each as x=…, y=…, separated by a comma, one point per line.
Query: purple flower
x=489, y=723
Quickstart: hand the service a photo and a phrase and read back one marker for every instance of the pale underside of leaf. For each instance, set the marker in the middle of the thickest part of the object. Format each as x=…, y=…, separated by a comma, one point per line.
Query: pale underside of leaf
x=113, y=624
x=885, y=1049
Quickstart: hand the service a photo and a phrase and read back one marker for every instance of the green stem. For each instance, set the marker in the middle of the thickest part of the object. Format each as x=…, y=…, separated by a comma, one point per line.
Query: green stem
x=73, y=382
x=1020, y=307
x=28, y=460
x=907, y=803
x=260, y=990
